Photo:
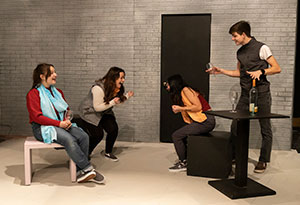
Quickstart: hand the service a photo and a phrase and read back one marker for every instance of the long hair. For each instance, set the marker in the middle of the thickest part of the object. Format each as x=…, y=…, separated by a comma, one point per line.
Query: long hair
x=43, y=68
x=109, y=82
x=176, y=84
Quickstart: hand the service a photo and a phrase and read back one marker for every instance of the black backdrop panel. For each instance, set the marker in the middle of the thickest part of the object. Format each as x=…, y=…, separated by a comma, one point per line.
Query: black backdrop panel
x=185, y=49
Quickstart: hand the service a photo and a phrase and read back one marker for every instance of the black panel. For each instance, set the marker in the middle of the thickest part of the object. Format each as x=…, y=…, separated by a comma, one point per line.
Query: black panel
x=210, y=155
x=296, y=111
x=185, y=49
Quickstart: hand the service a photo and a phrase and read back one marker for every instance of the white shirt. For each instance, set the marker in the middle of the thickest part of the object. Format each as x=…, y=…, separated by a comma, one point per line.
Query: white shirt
x=265, y=52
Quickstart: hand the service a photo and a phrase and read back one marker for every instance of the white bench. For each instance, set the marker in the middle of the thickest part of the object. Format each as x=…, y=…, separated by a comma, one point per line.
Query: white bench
x=31, y=143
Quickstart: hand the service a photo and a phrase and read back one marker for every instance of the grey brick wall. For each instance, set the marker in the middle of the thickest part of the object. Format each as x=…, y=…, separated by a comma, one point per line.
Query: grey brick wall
x=84, y=38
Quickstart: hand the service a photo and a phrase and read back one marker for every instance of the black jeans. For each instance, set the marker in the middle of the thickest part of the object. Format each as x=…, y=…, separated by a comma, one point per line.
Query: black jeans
x=195, y=128
x=108, y=124
x=264, y=105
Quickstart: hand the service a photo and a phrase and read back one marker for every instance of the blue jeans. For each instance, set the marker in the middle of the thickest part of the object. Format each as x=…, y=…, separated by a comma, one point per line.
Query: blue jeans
x=75, y=141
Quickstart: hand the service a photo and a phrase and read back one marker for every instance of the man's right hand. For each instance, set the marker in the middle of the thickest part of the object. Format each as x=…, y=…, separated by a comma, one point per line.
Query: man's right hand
x=214, y=70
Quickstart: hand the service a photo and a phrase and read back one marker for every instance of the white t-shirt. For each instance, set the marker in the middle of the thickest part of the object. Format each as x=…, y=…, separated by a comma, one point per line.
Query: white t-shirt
x=265, y=52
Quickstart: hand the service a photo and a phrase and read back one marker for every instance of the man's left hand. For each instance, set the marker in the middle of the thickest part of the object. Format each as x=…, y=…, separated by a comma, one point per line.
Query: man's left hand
x=255, y=74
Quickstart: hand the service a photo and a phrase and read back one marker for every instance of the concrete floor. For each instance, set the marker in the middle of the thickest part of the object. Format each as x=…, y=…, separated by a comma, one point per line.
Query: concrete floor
x=140, y=177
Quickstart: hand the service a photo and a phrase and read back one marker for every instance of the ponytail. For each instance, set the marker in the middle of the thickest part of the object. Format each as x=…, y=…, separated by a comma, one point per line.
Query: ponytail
x=43, y=68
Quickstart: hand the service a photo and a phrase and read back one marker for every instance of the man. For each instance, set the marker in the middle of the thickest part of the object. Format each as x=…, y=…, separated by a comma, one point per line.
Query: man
x=255, y=61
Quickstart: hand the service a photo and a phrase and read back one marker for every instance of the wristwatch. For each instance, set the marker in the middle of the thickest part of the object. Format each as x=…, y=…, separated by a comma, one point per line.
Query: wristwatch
x=262, y=71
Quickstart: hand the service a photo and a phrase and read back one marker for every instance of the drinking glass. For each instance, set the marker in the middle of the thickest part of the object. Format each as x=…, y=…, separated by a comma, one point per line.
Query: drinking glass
x=210, y=66
x=69, y=115
x=233, y=97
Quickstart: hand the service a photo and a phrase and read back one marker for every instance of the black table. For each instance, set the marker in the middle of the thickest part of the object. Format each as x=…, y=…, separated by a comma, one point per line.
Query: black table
x=242, y=186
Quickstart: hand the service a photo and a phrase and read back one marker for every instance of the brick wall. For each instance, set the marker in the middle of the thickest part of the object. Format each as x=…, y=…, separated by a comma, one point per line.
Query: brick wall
x=83, y=38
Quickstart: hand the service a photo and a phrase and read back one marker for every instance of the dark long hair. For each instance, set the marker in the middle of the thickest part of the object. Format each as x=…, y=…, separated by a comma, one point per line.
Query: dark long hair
x=176, y=84
x=109, y=82
x=43, y=68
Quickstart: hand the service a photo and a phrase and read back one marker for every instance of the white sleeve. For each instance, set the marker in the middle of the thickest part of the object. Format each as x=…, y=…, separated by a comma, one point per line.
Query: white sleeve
x=127, y=96
x=98, y=99
x=265, y=52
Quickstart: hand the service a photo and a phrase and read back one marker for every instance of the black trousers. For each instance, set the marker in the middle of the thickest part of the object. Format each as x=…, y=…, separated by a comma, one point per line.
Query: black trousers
x=96, y=133
x=179, y=137
x=264, y=105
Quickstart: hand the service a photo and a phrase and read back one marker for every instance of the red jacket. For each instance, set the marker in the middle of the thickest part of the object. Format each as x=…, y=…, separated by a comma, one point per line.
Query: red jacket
x=204, y=103
x=34, y=109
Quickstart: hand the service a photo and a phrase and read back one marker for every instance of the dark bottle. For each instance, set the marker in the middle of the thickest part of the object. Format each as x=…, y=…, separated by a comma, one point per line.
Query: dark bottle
x=253, y=96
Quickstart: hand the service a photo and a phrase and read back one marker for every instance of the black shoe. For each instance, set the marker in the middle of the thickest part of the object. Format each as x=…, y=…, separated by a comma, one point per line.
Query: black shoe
x=110, y=156
x=179, y=167
x=99, y=178
x=86, y=176
x=260, y=167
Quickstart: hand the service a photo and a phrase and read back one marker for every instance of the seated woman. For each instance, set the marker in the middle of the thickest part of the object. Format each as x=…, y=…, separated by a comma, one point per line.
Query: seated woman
x=96, y=112
x=47, y=106
x=191, y=104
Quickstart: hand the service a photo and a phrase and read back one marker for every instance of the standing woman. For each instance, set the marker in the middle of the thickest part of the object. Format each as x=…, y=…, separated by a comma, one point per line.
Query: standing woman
x=47, y=106
x=191, y=105
x=96, y=110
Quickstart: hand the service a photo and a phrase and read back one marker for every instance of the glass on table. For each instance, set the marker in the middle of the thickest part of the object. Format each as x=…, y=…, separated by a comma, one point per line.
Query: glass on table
x=233, y=97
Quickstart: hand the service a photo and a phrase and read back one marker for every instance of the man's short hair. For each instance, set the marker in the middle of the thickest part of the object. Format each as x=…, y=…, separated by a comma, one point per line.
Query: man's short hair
x=241, y=27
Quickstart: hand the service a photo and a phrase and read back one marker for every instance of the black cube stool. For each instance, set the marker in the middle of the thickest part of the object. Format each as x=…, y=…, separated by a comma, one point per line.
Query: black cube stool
x=209, y=155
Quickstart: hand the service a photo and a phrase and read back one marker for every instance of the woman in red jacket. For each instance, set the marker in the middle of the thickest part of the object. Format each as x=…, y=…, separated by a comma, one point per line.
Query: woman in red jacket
x=47, y=106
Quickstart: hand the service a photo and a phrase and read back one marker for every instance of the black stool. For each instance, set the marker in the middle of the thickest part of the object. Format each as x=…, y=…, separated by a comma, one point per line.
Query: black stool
x=209, y=155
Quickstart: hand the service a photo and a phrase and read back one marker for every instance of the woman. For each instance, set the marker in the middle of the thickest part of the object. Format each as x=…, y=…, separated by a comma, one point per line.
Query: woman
x=96, y=110
x=191, y=105
x=47, y=107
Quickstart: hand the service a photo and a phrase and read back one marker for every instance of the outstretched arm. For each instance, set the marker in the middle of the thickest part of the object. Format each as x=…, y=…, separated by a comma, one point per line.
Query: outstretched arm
x=231, y=73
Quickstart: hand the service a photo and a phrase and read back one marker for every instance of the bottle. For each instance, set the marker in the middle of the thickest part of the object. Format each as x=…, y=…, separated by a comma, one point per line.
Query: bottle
x=253, y=95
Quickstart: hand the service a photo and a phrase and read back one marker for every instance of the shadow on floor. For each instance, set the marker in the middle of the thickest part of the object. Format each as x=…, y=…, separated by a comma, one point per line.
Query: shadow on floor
x=44, y=174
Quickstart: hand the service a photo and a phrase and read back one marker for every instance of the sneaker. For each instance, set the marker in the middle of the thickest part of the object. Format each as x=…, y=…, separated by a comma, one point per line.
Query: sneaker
x=86, y=176
x=99, y=178
x=110, y=156
x=179, y=166
x=260, y=167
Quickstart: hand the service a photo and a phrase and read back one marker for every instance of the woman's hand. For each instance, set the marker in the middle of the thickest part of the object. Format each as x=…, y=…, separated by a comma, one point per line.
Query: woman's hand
x=130, y=93
x=176, y=109
x=117, y=100
x=66, y=124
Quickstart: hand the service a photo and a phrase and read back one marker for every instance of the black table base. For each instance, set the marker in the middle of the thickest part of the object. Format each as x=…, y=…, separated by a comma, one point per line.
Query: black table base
x=253, y=188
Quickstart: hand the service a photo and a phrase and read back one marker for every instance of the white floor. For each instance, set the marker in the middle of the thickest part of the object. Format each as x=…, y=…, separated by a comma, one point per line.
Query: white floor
x=140, y=177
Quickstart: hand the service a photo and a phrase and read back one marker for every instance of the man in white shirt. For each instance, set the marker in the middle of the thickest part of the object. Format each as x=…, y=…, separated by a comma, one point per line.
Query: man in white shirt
x=255, y=61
